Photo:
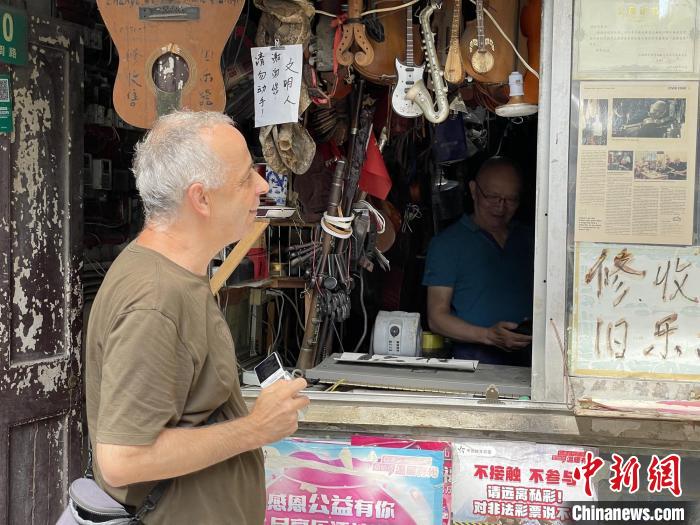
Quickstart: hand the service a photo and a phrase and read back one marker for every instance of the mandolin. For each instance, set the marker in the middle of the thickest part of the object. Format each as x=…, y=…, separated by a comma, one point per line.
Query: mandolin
x=383, y=69
x=407, y=74
x=454, y=71
x=169, y=55
x=486, y=54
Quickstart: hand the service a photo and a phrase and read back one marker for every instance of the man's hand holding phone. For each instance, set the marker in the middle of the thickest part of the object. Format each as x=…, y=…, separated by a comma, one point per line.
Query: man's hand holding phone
x=504, y=335
x=279, y=406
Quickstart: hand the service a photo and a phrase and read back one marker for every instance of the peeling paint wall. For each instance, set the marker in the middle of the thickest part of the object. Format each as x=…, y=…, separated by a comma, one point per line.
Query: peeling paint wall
x=40, y=287
x=39, y=194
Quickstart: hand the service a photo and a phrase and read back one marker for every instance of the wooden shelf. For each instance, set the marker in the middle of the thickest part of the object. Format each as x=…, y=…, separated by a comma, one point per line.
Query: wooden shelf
x=271, y=282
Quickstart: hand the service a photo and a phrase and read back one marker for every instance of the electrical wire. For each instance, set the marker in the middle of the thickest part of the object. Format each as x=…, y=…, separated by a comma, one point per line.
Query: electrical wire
x=340, y=341
x=335, y=385
x=537, y=75
x=570, y=394
x=372, y=11
x=280, y=309
x=296, y=310
x=103, y=225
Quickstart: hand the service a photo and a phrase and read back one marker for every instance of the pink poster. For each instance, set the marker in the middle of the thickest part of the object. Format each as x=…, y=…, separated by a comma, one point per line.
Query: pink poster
x=441, y=446
x=311, y=483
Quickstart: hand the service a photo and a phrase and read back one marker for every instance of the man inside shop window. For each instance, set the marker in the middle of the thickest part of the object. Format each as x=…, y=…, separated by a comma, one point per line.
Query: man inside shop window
x=479, y=273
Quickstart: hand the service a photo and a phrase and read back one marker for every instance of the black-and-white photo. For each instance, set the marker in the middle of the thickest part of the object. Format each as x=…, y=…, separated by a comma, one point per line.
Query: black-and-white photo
x=661, y=165
x=655, y=118
x=620, y=160
x=595, y=122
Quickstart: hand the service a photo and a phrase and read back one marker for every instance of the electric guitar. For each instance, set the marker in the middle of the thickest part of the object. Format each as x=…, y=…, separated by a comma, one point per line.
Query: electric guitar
x=169, y=55
x=407, y=75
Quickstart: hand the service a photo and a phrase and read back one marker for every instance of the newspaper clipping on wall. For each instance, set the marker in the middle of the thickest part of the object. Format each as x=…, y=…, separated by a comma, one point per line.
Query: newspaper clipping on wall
x=616, y=39
x=635, y=311
x=635, y=167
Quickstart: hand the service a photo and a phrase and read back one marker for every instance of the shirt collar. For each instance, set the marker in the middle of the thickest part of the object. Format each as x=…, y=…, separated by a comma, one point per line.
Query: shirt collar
x=469, y=223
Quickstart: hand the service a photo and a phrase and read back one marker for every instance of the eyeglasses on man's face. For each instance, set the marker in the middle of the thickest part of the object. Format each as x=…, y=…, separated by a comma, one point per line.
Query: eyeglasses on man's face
x=494, y=200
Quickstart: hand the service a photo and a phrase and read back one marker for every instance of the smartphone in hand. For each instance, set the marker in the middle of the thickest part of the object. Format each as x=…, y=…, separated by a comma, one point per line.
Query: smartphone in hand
x=524, y=327
x=270, y=370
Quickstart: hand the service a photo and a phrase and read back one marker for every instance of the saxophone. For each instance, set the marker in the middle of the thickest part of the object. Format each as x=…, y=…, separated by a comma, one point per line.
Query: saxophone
x=419, y=93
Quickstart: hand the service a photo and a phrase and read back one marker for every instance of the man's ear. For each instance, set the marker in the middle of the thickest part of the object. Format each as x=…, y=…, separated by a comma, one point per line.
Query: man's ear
x=472, y=190
x=198, y=199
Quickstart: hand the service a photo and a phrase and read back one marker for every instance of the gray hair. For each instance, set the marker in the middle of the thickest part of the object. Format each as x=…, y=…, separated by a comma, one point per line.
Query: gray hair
x=171, y=157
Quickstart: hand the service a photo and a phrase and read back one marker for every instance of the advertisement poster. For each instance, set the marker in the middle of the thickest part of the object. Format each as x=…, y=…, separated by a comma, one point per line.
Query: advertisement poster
x=523, y=483
x=618, y=39
x=312, y=483
x=635, y=168
x=636, y=311
x=442, y=446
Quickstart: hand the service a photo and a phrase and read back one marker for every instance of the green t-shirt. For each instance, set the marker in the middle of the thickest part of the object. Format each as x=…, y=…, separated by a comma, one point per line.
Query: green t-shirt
x=159, y=354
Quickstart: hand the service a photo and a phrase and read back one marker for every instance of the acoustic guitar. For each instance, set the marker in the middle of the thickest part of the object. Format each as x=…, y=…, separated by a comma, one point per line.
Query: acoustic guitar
x=486, y=55
x=169, y=55
x=382, y=70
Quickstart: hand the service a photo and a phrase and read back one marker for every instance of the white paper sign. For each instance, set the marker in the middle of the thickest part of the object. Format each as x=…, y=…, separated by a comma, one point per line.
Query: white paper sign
x=636, y=311
x=277, y=83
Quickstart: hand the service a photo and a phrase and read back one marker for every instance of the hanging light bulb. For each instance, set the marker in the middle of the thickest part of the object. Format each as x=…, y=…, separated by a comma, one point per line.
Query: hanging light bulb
x=516, y=106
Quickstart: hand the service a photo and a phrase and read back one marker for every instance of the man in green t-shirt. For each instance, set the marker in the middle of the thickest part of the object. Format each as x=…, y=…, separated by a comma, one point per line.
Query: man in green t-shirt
x=159, y=355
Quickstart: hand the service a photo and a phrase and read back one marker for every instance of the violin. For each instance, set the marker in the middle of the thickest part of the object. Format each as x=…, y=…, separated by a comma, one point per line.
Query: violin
x=382, y=70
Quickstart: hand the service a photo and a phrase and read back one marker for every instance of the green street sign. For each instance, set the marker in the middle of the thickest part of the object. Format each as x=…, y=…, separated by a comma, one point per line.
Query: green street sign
x=13, y=36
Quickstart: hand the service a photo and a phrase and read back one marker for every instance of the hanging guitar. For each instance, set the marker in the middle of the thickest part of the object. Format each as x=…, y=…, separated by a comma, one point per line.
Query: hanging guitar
x=169, y=55
x=408, y=73
x=454, y=71
x=382, y=70
x=486, y=54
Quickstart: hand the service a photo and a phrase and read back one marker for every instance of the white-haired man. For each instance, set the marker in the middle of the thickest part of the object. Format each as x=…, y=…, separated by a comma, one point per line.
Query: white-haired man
x=160, y=358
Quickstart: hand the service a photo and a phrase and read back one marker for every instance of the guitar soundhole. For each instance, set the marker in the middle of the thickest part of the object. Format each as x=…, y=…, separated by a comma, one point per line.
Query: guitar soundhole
x=170, y=72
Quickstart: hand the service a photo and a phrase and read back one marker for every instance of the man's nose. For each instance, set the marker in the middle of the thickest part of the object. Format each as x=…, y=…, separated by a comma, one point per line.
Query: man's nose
x=263, y=186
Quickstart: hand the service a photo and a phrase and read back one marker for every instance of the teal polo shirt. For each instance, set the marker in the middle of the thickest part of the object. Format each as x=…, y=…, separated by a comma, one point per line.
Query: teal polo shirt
x=490, y=283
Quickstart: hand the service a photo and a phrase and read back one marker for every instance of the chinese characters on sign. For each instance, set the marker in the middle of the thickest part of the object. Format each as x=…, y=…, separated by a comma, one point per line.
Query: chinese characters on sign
x=277, y=83
x=315, y=483
x=640, y=39
x=13, y=36
x=514, y=480
x=636, y=311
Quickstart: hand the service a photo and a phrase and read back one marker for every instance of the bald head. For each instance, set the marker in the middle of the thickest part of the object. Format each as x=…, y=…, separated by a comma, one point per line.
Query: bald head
x=498, y=166
x=496, y=193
